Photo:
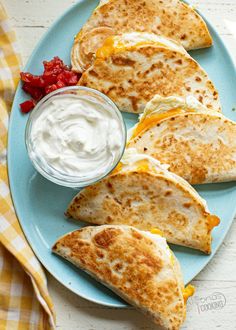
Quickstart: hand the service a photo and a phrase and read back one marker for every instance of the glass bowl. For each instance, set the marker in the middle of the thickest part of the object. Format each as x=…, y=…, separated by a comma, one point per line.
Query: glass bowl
x=44, y=167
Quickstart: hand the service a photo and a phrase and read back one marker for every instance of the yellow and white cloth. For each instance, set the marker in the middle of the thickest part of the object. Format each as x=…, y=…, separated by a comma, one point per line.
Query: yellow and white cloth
x=24, y=299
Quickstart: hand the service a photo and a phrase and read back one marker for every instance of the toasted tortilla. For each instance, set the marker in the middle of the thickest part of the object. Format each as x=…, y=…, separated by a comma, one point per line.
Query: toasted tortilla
x=170, y=18
x=132, y=68
x=136, y=265
x=146, y=195
x=199, y=145
x=84, y=48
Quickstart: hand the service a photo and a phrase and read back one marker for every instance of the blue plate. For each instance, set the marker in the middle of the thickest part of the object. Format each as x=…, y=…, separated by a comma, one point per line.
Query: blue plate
x=40, y=204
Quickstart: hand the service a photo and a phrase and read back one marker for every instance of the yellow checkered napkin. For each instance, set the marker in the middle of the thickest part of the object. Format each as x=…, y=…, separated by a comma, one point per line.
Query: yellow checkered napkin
x=24, y=299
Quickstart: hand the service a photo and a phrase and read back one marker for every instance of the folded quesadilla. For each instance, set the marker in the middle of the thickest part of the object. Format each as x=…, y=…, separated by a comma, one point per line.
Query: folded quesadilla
x=170, y=18
x=143, y=193
x=137, y=265
x=199, y=145
x=131, y=68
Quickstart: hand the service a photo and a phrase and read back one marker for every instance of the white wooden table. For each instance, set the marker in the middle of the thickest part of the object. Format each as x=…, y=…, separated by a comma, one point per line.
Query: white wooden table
x=31, y=18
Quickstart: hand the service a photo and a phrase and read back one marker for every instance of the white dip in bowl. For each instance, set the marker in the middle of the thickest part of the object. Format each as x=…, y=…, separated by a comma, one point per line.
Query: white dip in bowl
x=75, y=136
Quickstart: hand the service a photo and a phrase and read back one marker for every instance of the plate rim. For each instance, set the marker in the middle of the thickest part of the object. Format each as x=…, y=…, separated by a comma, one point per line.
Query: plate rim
x=10, y=170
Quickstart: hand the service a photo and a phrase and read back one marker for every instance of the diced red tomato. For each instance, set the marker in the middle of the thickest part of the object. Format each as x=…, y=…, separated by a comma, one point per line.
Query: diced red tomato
x=55, y=62
x=73, y=80
x=35, y=81
x=50, y=88
x=49, y=78
x=27, y=106
x=60, y=84
x=69, y=77
x=55, y=75
x=35, y=92
x=55, y=71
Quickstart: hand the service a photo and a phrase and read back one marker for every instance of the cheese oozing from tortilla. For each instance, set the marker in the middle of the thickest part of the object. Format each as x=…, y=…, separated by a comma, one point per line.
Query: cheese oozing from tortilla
x=132, y=158
x=129, y=41
x=159, y=108
x=188, y=292
x=159, y=104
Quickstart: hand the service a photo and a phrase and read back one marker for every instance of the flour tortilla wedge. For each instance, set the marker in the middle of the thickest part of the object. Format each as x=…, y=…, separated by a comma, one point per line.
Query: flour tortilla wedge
x=136, y=265
x=132, y=68
x=144, y=194
x=170, y=18
x=199, y=145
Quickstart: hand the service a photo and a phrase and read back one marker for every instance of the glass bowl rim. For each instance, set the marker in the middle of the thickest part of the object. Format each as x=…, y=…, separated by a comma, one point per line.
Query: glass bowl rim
x=77, y=182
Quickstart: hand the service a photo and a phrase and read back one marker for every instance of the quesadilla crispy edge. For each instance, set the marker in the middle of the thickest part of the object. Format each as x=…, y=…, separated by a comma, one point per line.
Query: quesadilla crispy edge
x=133, y=76
x=200, y=147
x=173, y=19
x=131, y=265
x=147, y=200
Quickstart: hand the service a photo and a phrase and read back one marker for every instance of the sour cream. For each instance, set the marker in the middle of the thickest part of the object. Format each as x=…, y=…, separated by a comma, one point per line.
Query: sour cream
x=77, y=136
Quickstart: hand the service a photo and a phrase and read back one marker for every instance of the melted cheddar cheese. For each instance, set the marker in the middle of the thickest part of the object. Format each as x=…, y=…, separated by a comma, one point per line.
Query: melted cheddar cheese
x=212, y=221
x=153, y=120
x=143, y=165
x=156, y=231
x=114, y=45
x=117, y=169
x=188, y=292
x=140, y=165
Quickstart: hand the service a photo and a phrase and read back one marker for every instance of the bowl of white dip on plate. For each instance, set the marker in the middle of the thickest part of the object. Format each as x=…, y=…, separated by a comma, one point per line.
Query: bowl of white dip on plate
x=75, y=136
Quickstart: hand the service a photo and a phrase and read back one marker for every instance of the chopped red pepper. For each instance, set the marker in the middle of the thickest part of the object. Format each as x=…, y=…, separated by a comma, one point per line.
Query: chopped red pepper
x=27, y=106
